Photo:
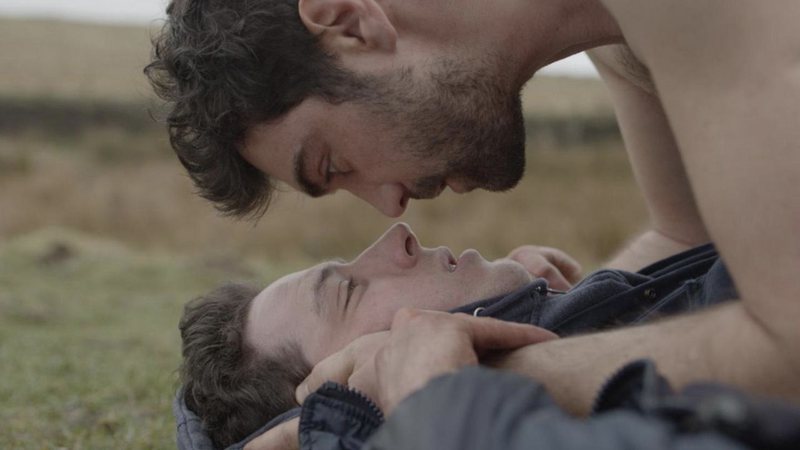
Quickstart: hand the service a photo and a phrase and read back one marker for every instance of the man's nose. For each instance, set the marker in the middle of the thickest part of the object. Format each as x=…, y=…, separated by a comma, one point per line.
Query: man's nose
x=388, y=198
x=397, y=248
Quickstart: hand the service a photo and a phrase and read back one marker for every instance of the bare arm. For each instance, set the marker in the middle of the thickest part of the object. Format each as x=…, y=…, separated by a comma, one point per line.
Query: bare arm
x=675, y=223
x=725, y=344
x=729, y=76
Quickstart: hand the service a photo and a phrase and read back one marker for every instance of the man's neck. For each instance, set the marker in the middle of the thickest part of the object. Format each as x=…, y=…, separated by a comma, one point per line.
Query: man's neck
x=550, y=30
x=525, y=35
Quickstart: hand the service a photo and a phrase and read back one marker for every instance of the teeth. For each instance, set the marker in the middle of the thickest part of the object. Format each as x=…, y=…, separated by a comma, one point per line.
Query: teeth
x=451, y=267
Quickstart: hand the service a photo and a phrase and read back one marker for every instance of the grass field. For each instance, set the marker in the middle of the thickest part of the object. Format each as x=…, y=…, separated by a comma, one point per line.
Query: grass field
x=102, y=239
x=87, y=339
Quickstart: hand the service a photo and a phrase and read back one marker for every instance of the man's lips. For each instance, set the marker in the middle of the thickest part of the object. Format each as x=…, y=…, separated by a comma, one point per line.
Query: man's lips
x=469, y=256
x=424, y=193
x=466, y=258
x=404, y=199
x=428, y=189
x=460, y=188
x=448, y=260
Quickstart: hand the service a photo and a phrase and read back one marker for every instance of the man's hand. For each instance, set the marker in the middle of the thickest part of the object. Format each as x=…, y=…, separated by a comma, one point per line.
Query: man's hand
x=559, y=269
x=282, y=437
x=421, y=345
x=390, y=365
x=342, y=365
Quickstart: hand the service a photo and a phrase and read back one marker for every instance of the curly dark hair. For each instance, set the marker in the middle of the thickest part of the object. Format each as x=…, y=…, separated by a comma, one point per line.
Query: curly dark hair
x=226, y=383
x=223, y=66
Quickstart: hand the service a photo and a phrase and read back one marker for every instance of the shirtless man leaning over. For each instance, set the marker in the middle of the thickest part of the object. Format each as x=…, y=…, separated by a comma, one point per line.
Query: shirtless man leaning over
x=393, y=100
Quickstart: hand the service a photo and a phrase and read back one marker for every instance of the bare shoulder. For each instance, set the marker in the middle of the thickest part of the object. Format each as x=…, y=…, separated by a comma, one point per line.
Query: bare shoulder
x=745, y=32
x=620, y=61
x=728, y=77
x=653, y=152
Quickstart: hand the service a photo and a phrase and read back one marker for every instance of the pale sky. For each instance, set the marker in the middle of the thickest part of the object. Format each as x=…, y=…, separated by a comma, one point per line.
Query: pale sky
x=147, y=11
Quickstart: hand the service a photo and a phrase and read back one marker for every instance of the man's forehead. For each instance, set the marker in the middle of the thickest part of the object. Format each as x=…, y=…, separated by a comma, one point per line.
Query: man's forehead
x=272, y=146
x=278, y=303
x=295, y=286
x=282, y=289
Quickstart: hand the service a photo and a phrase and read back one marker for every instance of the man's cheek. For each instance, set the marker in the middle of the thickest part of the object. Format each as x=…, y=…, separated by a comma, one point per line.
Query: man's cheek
x=375, y=318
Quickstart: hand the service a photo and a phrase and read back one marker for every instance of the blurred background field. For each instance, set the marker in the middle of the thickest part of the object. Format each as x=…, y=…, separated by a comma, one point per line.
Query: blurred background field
x=102, y=239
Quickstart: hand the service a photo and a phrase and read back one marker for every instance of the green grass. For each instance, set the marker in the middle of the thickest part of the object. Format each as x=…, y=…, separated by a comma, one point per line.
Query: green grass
x=89, y=342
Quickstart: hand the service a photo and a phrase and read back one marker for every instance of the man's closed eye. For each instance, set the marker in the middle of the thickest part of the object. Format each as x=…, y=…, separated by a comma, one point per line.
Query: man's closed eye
x=351, y=286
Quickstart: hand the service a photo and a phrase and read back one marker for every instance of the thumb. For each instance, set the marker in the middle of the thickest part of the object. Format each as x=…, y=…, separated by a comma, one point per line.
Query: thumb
x=337, y=367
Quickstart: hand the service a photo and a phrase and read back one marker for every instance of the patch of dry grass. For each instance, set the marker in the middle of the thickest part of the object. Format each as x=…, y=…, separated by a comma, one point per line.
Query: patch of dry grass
x=583, y=201
x=73, y=60
x=111, y=181
x=70, y=60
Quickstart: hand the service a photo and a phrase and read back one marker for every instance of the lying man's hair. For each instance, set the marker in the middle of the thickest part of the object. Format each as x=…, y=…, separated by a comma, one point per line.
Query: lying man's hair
x=226, y=383
x=223, y=66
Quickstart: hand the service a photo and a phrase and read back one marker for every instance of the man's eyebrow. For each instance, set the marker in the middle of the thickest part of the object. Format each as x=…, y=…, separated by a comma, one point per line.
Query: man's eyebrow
x=325, y=272
x=309, y=186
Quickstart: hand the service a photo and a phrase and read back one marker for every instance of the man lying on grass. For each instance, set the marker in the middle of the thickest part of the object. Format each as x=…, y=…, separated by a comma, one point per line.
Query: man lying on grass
x=246, y=350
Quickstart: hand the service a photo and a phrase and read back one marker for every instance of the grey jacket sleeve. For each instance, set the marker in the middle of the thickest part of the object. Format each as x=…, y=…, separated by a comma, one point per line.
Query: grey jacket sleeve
x=481, y=409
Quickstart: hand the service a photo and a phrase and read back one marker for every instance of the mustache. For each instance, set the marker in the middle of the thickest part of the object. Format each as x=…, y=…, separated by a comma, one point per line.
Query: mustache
x=427, y=188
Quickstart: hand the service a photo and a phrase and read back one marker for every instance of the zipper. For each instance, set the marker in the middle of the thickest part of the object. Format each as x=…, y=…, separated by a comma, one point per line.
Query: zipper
x=630, y=368
x=362, y=401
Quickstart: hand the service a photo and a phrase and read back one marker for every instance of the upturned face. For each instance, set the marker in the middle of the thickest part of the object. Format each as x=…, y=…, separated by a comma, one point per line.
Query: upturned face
x=329, y=305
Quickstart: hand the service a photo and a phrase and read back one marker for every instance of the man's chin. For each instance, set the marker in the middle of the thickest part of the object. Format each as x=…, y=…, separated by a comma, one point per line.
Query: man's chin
x=503, y=187
x=502, y=174
x=507, y=276
x=499, y=185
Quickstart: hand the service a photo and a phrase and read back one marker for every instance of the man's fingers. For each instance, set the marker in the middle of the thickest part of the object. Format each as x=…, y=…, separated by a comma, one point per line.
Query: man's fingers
x=282, y=437
x=554, y=278
x=552, y=264
x=485, y=333
x=341, y=365
x=492, y=334
x=337, y=367
x=566, y=264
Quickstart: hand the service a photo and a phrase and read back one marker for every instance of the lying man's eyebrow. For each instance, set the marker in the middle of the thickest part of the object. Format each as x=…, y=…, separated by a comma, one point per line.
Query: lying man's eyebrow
x=325, y=272
x=301, y=164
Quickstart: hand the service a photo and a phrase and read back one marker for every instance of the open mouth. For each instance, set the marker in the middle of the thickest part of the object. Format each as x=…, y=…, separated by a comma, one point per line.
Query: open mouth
x=452, y=262
x=404, y=200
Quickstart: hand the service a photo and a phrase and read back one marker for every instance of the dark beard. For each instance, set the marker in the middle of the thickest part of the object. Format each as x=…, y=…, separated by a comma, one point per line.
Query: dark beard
x=462, y=121
x=491, y=155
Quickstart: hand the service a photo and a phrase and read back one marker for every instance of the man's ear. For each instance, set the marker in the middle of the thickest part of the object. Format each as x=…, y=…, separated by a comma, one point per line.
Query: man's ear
x=349, y=25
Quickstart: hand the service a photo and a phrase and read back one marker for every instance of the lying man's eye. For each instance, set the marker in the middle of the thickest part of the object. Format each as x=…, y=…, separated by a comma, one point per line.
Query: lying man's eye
x=351, y=286
x=332, y=168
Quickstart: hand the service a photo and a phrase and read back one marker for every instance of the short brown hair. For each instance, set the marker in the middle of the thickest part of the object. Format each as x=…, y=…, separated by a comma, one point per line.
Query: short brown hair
x=226, y=383
x=223, y=66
